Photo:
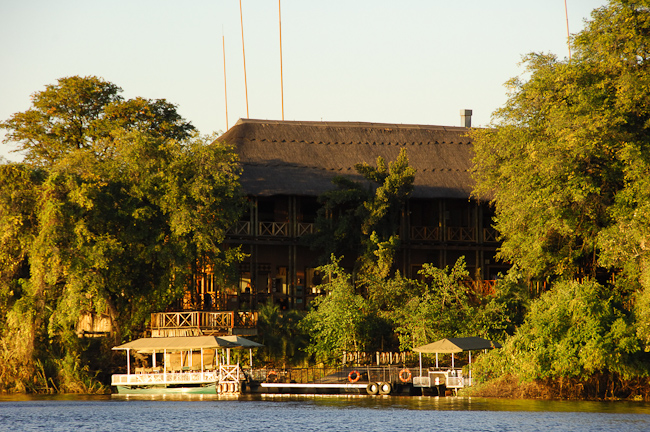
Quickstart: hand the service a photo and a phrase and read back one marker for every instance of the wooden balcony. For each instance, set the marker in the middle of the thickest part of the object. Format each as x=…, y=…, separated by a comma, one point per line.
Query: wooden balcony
x=198, y=323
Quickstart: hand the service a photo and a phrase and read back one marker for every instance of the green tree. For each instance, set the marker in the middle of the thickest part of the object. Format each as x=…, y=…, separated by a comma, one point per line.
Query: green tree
x=446, y=306
x=566, y=159
x=574, y=330
x=362, y=221
x=83, y=113
x=335, y=322
x=282, y=335
x=117, y=218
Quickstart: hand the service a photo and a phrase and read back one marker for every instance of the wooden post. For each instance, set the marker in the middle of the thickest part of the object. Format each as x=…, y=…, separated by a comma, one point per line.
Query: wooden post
x=470, y=368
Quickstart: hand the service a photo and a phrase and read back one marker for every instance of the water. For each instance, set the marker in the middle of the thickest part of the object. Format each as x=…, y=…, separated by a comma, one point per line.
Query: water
x=315, y=413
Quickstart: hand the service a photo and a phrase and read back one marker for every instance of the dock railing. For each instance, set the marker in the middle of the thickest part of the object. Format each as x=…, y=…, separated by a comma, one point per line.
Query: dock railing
x=193, y=377
x=450, y=378
x=325, y=375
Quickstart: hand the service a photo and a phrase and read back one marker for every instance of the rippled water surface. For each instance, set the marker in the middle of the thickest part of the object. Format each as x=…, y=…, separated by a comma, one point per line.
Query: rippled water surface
x=316, y=413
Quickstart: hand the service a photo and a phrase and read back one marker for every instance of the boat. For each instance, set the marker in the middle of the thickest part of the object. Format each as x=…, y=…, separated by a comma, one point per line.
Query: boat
x=449, y=378
x=181, y=365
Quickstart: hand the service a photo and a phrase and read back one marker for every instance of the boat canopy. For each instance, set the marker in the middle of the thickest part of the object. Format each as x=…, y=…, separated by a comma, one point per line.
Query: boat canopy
x=180, y=343
x=456, y=345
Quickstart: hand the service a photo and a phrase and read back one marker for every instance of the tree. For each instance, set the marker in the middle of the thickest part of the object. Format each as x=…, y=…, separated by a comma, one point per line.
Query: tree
x=445, y=306
x=117, y=207
x=83, y=113
x=335, y=323
x=362, y=221
x=565, y=162
x=575, y=330
x=282, y=334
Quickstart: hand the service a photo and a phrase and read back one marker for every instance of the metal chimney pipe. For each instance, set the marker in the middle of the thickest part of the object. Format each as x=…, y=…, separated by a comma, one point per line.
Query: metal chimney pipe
x=466, y=118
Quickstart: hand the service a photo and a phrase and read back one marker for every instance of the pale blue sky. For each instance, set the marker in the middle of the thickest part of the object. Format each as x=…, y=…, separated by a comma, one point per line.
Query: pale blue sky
x=406, y=61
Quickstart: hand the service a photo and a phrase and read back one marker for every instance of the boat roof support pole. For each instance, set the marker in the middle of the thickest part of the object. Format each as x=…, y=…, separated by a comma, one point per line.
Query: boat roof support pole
x=420, y=364
x=128, y=361
x=436, y=360
x=470, y=368
x=201, y=359
x=250, y=357
x=153, y=359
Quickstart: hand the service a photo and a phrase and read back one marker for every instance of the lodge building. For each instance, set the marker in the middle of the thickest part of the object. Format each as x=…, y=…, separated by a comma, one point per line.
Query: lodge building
x=287, y=165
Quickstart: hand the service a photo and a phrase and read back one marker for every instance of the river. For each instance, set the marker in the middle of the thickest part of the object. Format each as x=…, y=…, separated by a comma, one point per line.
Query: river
x=315, y=413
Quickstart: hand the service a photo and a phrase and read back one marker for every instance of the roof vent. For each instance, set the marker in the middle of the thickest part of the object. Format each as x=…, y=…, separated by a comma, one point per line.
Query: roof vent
x=466, y=118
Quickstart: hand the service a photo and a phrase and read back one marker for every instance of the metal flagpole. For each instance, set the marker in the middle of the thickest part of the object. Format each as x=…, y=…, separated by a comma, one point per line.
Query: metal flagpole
x=225, y=87
x=241, y=16
x=281, y=73
x=568, y=35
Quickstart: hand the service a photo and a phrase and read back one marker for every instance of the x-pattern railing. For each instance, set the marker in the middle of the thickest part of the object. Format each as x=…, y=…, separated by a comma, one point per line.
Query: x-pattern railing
x=274, y=229
x=461, y=234
x=424, y=233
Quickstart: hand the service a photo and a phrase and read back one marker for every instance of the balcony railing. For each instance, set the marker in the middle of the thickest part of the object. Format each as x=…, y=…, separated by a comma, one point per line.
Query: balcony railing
x=199, y=322
x=274, y=229
x=461, y=234
x=240, y=228
x=305, y=228
x=424, y=233
x=490, y=235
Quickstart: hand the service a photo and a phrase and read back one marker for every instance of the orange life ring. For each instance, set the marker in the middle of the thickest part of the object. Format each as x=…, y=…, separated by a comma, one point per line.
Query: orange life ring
x=272, y=376
x=357, y=376
x=405, y=375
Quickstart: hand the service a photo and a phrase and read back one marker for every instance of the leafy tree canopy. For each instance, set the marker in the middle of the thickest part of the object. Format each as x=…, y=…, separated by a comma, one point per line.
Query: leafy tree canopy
x=85, y=113
x=117, y=206
x=566, y=161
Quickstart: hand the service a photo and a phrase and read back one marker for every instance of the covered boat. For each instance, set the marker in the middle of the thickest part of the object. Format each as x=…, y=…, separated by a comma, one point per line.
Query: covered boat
x=180, y=365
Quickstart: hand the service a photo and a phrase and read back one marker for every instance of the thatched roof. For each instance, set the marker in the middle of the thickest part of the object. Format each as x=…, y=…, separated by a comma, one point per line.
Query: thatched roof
x=301, y=158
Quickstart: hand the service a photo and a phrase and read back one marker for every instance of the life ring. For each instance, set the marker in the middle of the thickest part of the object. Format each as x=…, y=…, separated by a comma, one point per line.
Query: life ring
x=272, y=376
x=405, y=375
x=357, y=376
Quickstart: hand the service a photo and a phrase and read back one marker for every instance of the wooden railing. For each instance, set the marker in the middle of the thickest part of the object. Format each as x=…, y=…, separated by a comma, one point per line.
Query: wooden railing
x=274, y=229
x=461, y=234
x=490, y=235
x=194, y=377
x=203, y=320
x=240, y=228
x=425, y=233
x=305, y=228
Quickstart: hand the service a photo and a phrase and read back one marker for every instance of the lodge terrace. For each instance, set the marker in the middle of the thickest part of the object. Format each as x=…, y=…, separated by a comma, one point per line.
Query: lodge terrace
x=288, y=164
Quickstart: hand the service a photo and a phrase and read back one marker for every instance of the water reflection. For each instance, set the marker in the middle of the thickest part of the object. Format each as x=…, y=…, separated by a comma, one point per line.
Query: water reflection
x=314, y=413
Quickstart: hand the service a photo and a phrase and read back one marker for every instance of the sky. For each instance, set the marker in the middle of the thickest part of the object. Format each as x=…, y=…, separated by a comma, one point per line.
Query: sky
x=403, y=62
